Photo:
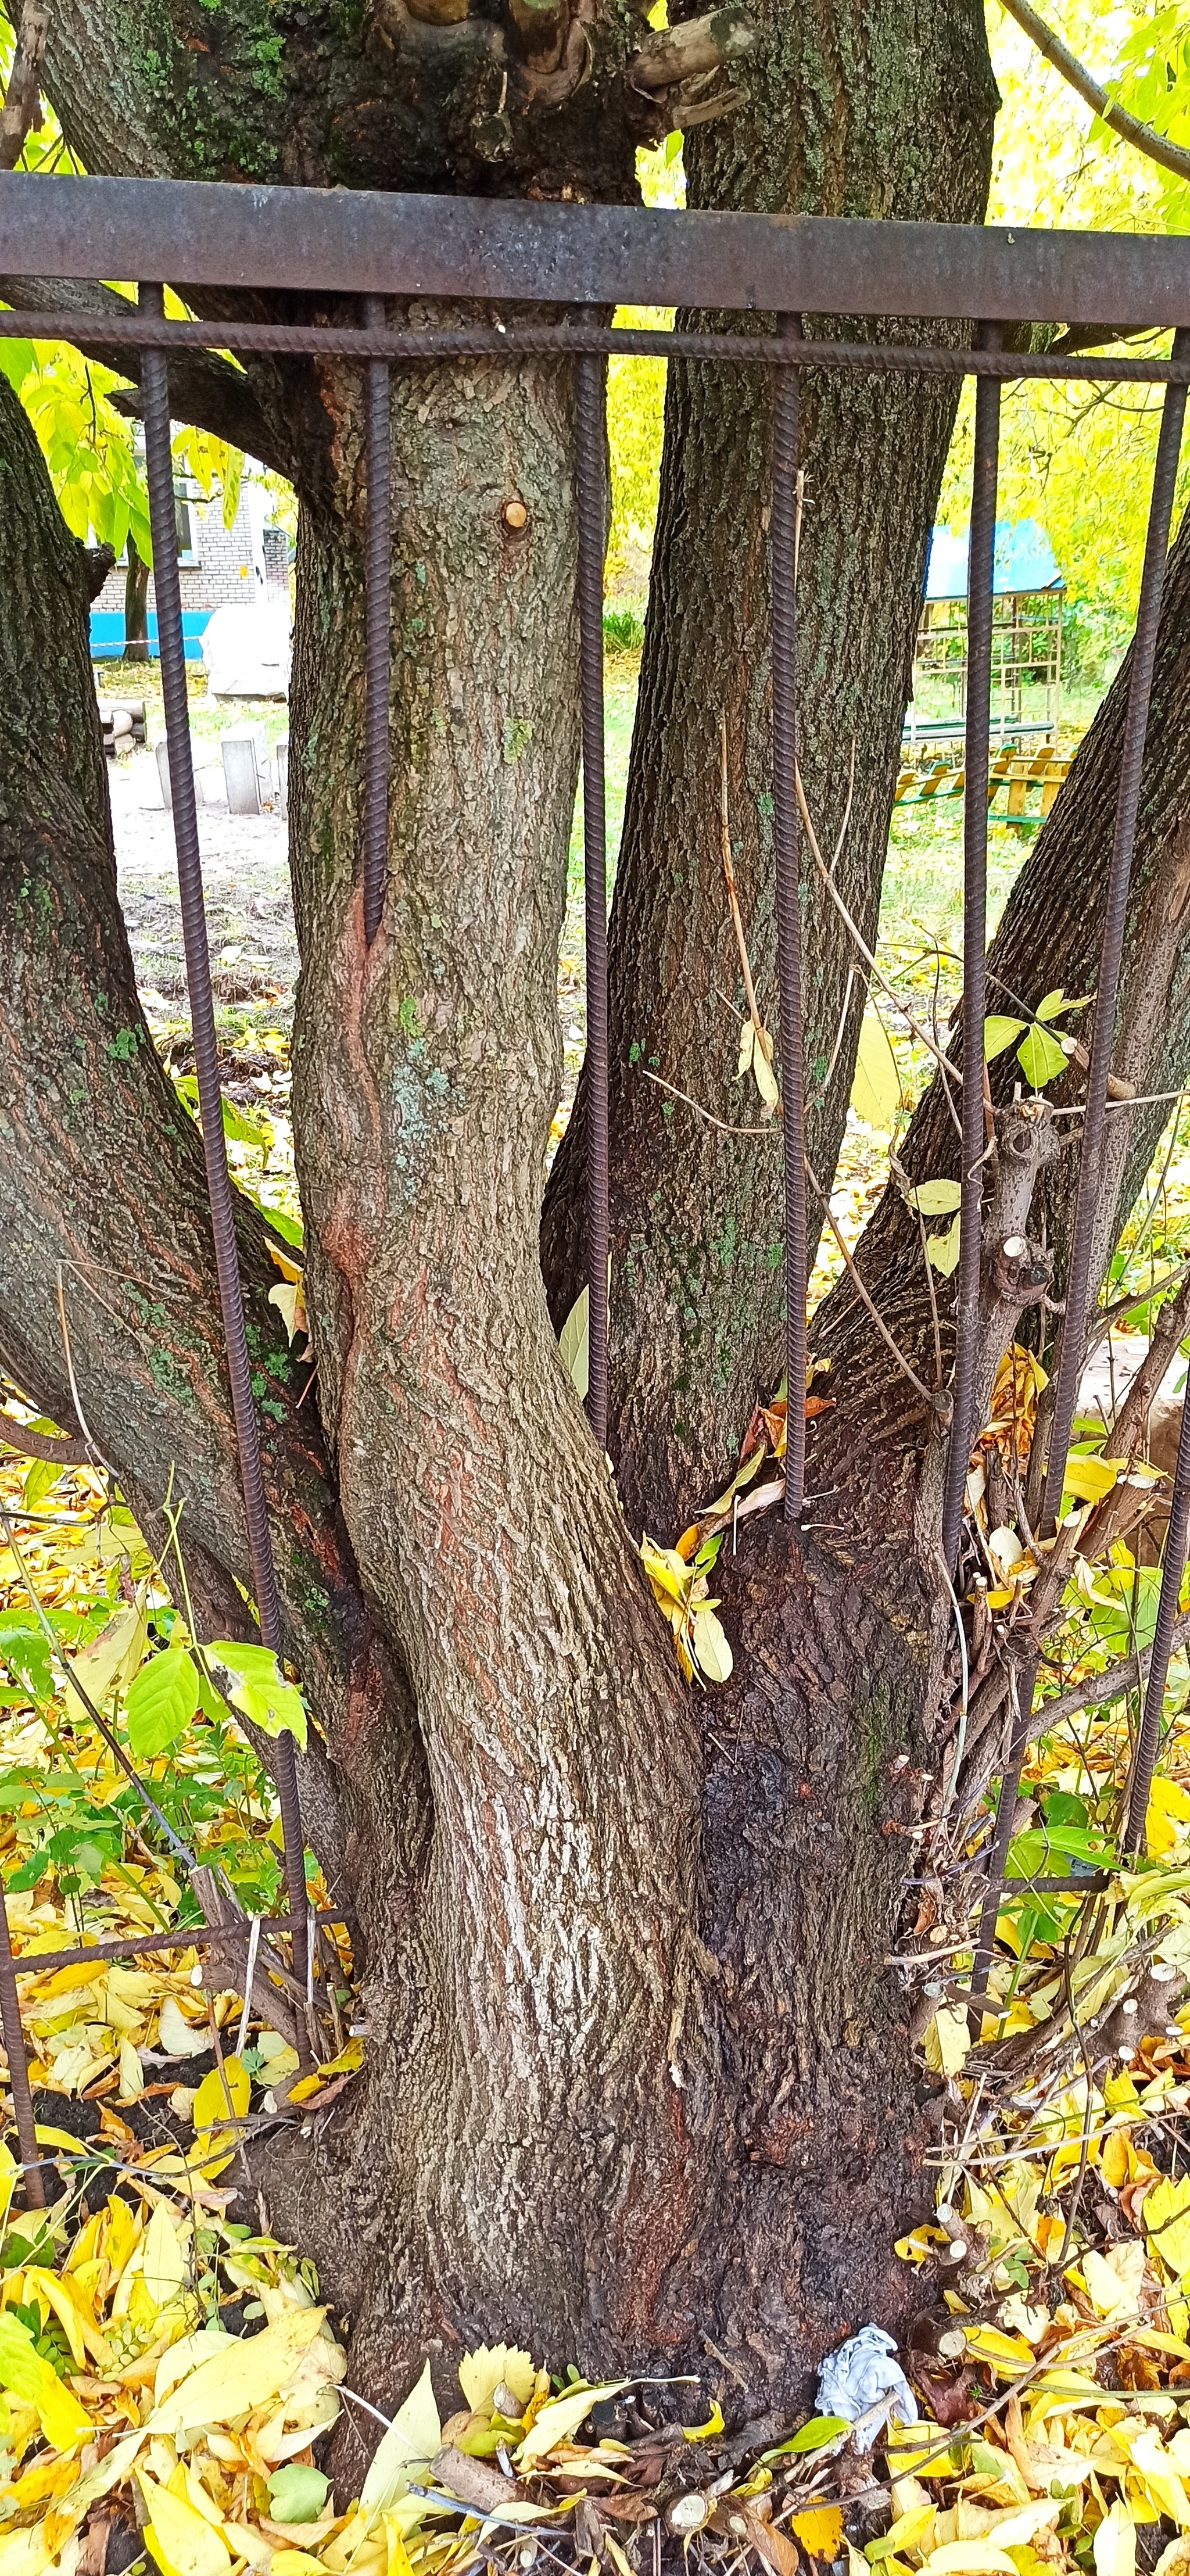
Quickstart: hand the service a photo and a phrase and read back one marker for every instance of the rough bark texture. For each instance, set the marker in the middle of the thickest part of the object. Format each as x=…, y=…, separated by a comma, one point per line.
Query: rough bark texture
x=1049, y=936
x=636, y=2083
x=558, y=1974
x=882, y=111
x=101, y=1175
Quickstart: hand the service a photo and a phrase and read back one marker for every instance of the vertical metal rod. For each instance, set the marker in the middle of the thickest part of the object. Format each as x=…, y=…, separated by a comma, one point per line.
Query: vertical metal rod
x=1090, y=1169
x=977, y=752
x=18, y=2068
x=167, y=590
x=1024, y=1686
x=377, y=556
x=783, y=537
x=1173, y=1567
x=1074, y=1329
x=591, y=487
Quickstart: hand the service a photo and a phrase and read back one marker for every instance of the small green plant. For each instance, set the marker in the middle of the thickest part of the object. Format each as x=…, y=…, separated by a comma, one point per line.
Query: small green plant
x=1041, y=1055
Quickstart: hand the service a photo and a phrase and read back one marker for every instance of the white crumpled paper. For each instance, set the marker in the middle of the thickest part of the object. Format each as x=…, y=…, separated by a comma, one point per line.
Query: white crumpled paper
x=861, y=2376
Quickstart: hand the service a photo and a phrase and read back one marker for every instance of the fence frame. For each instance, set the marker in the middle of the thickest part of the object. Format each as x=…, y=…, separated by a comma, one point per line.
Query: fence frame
x=576, y=262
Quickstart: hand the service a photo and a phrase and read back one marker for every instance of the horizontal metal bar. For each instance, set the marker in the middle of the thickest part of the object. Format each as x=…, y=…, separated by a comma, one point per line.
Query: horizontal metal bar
x=569, y=339
x=359, y=242
x=199, y=1937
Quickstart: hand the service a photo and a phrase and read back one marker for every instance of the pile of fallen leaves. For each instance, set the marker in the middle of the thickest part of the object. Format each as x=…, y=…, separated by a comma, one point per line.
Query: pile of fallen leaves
x=167, y=2377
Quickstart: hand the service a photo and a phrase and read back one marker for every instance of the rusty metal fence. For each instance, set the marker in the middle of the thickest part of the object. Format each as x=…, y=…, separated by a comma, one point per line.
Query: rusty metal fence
x=369, y=254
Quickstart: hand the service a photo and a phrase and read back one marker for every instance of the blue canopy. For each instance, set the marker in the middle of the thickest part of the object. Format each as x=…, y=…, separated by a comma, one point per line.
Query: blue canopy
x=1025, y=561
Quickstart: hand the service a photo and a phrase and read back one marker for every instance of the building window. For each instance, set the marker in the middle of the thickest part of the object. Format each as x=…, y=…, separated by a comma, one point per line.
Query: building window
x=187, y=531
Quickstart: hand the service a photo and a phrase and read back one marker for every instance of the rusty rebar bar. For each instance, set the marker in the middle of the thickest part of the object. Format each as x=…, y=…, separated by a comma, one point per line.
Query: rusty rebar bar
x=591, y=506
x=175, y=1936
x=980, y=594
x=1090, y=1175
x=18, y=2065
x=552, y=339
x=377, y=556
x=167, y=592
x=1090, y=1168
x=783, y=543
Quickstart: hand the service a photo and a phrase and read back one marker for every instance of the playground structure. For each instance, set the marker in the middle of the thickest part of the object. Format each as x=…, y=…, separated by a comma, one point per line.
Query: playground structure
x=1021, y=785
x=1027, y=602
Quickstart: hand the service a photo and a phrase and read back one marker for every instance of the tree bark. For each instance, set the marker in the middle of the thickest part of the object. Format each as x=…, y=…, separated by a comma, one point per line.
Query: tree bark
x=637, y=2082
x=888, y=113
x=101, y=1173
x=1049, y=937
x=136, y=606
x=540, y=2143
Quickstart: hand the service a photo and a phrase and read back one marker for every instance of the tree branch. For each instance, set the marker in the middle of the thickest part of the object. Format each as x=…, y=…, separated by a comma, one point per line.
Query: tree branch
x=16, y=1436
x=673, y=54
x=1170, y=155
x=22, y=103
x=1103, y=1687
x=203, y=389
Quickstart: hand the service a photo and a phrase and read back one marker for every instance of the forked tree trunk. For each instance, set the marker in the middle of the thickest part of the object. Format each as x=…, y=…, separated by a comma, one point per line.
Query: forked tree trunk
x=889, y=115
x=538, y=2144
x=638, y=2083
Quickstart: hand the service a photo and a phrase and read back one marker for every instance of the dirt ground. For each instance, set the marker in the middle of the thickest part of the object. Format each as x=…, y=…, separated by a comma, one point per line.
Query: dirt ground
x=246, y=872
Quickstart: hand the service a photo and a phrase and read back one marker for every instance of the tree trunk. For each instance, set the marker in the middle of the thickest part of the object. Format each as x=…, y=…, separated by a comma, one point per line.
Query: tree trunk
x=136, y=606
x=101, y=1172
x=1049, y=937
x=638, y=2084
x=888, y=113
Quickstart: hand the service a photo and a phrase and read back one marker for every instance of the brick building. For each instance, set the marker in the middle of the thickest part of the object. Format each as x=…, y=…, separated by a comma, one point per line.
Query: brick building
x=244, y=565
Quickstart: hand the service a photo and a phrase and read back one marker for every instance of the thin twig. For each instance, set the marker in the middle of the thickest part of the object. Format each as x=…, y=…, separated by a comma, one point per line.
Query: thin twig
x=1104, y=1687
x=828, y=1076
x=913, y=1025
x=97, y=1457
x=862, y=1293
x=1157, y=147
x=708, y=1114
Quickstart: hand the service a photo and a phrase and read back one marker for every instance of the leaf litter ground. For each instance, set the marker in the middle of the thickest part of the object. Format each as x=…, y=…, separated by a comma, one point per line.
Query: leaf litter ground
x=168, y=2376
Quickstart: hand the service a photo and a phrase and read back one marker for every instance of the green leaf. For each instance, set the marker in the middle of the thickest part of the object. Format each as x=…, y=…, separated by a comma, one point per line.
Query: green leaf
x=287, y=1227
x=1040, y=1057
x=253, y=1681
x=999, y=1033
x=1063, y=1808
x=16, y=361
x=297, y=2494
x=161, y=1702
x=1056, y=1002
x=23, y=1648
x=938, y=1198
x=811, y=2436
x=240, y=1128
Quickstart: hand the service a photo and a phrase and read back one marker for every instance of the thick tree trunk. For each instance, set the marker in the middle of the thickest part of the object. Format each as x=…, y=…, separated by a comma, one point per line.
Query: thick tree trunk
x=101, y=1174
x=547, y=2133
x=635, y=2083
x=888, y=115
